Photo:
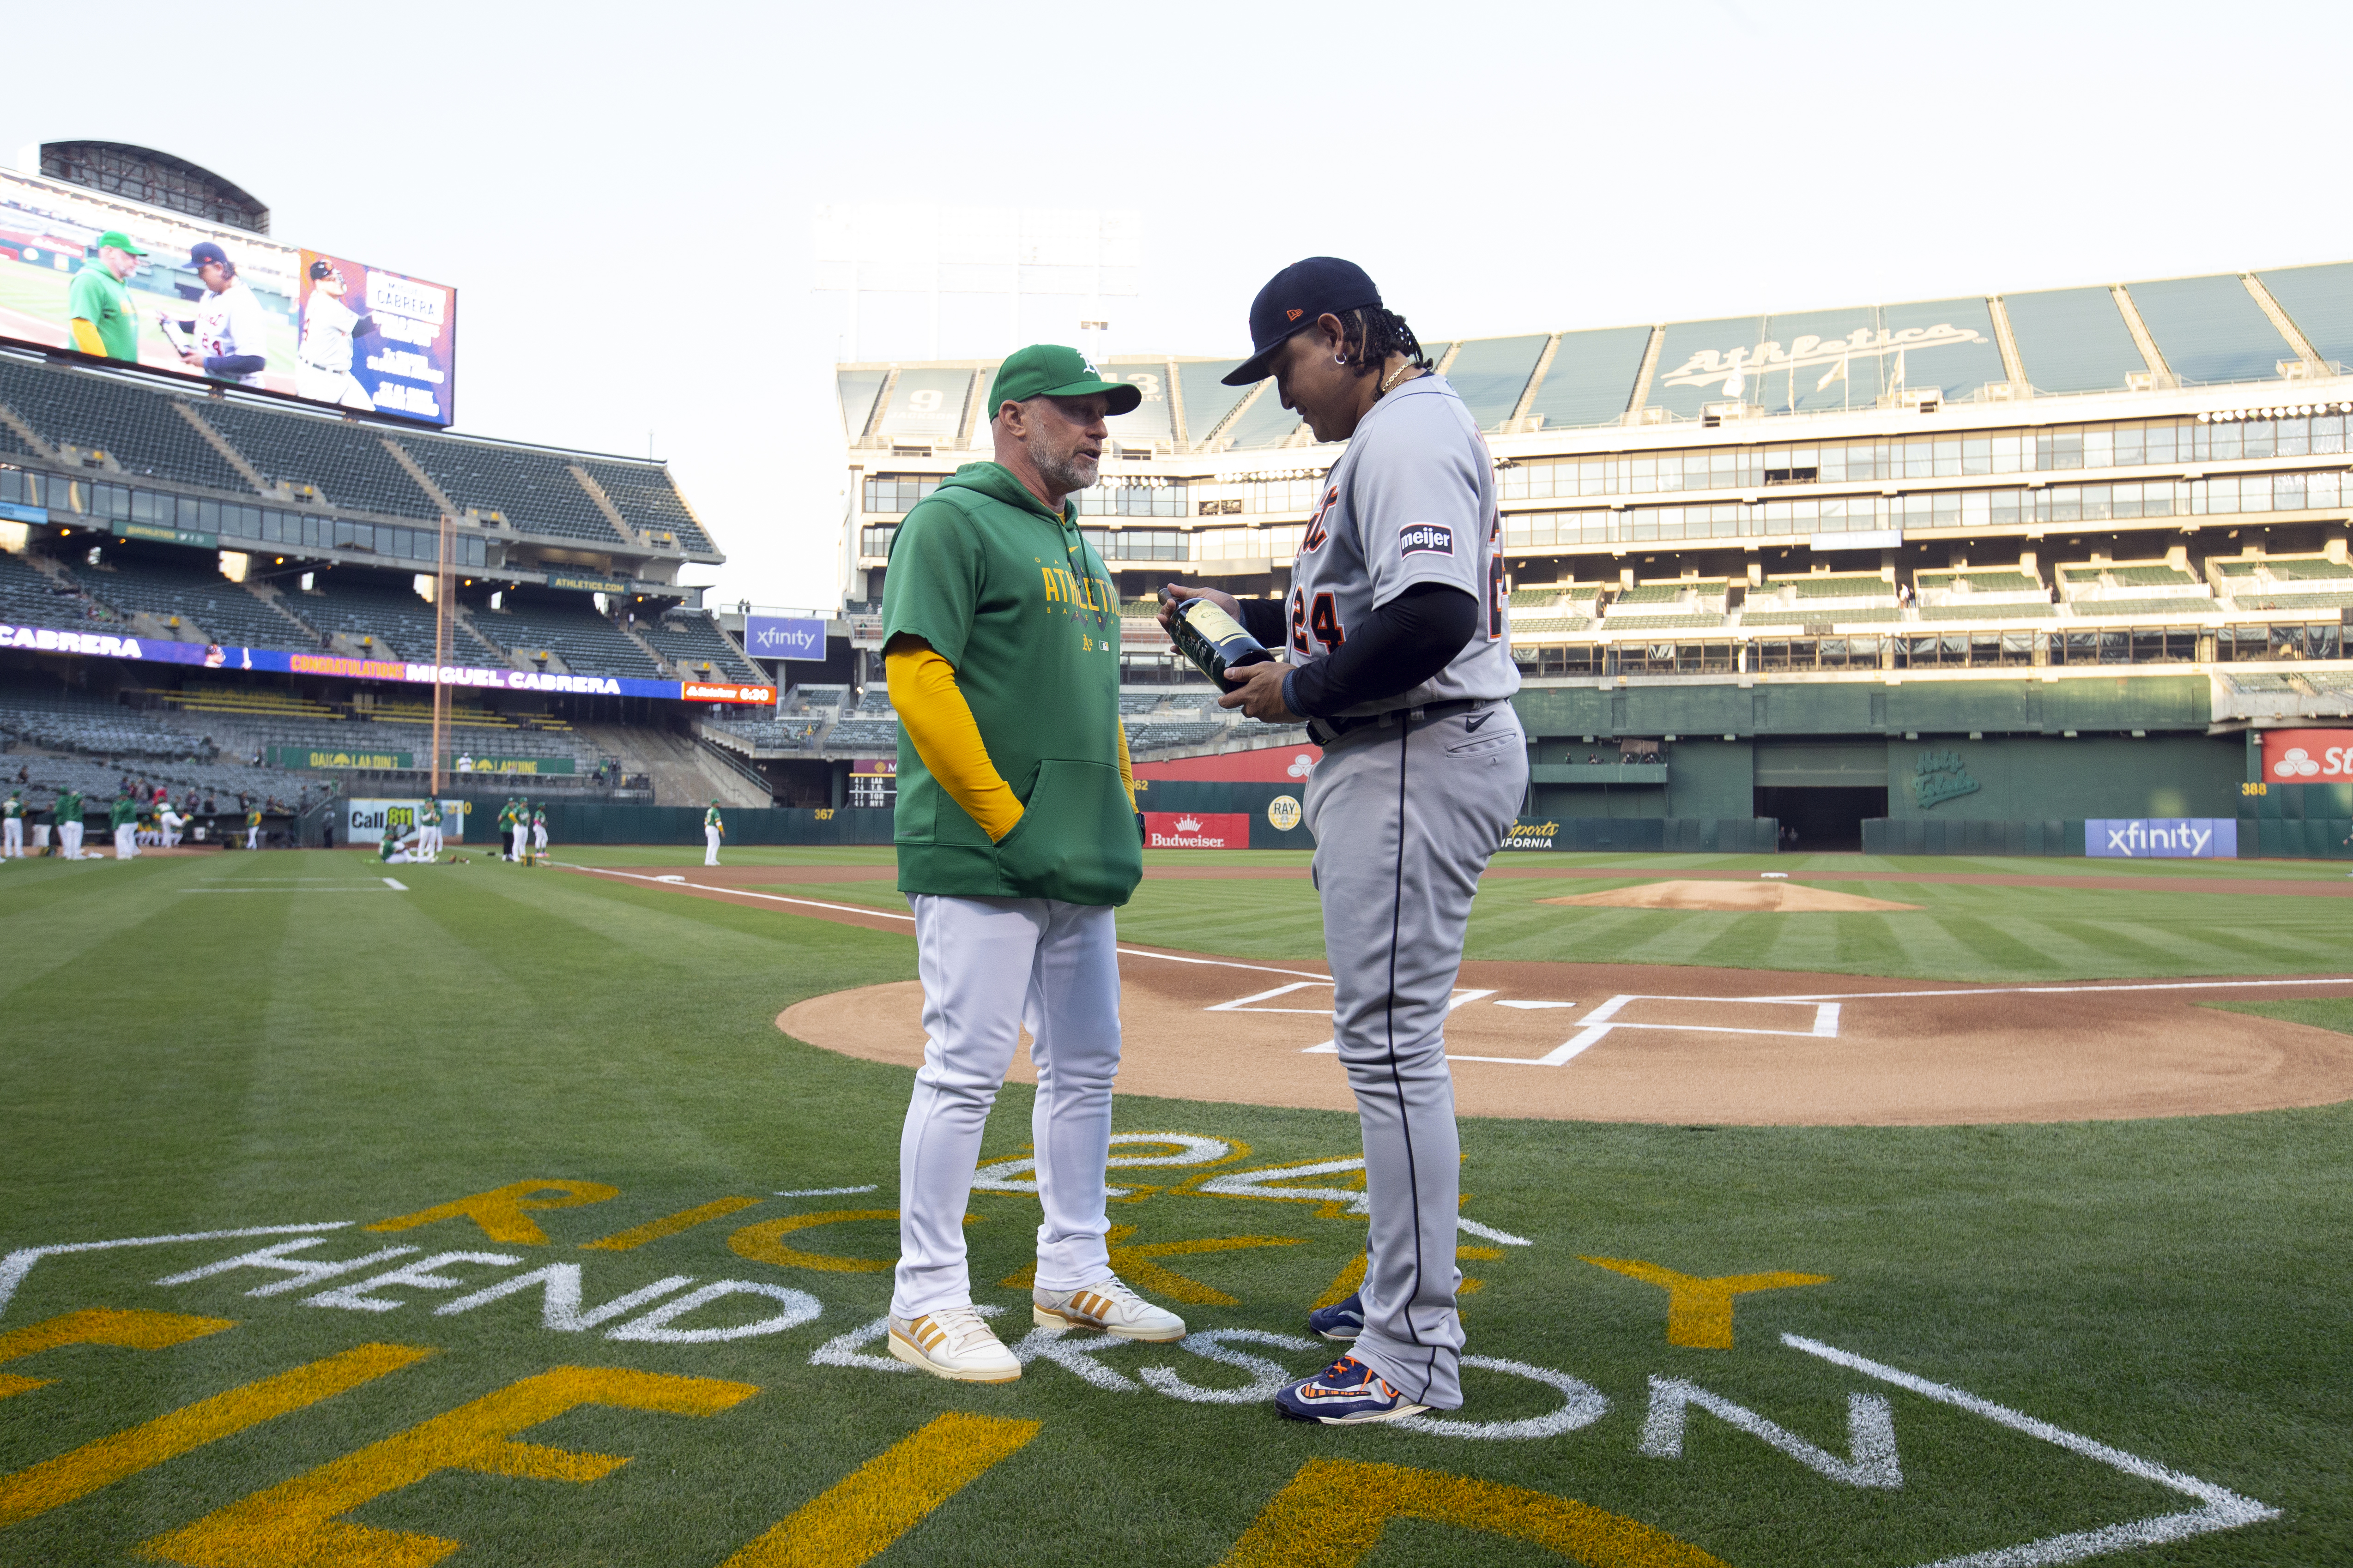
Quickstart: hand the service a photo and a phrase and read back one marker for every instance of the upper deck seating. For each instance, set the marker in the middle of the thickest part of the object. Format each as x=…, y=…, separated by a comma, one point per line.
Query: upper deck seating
x=586, y=642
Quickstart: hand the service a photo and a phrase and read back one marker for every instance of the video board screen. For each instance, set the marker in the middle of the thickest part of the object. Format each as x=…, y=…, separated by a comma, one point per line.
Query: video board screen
x=275, y=317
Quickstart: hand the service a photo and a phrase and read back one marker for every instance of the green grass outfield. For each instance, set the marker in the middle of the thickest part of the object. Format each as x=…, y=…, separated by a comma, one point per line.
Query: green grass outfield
x=281, y=1041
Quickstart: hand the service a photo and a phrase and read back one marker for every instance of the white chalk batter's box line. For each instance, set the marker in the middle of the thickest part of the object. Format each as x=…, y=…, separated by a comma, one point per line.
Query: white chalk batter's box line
x=1594, y=1027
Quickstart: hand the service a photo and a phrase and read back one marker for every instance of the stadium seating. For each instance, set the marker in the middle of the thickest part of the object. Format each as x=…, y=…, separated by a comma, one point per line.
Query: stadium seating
x=30, y=598
x=1971, y=607
x=1648, y=623
x=1548, y=625
x=225, y=611
x=535, y=491
x=142, y=430
x=1161, y=737
x=1836, y=614
x=863, y=734
x=586, y=642
x=397, y=619
x=62, y=720
x=825, y=698
x=346, y=462
x=2185, y=604
x=692, y=637
x=766, y=733
x=647, y=496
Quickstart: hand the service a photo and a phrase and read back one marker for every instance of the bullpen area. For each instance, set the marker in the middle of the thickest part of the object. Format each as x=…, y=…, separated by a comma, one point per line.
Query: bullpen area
x=1819, y=1210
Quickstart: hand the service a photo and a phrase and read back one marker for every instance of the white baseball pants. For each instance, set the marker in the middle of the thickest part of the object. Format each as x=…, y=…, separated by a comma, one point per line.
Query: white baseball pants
x=69, y=839
x=988, y=967
x=171, y=821
x=13, y=844
x=253, y=839
x=41, y=837
x=711, y=847
x=126, y=842
x=538, y=839
x=1405, y=818
x=522, y=840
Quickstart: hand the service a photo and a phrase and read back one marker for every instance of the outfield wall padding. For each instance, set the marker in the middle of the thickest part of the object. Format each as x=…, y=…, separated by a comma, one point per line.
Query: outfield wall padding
x=1970, y=835
x=2297, y=822
x=601, y=821
x=1649, y=835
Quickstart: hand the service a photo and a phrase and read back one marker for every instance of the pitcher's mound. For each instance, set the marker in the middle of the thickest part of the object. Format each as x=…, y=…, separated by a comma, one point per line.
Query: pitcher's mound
x=1743, y=898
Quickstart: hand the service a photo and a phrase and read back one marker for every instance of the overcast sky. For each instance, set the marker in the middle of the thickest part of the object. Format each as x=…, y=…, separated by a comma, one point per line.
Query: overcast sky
x=623, y=194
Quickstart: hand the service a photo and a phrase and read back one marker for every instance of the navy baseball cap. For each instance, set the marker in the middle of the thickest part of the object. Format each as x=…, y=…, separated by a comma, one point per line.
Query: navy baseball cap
x=1291, y=302
x=205, y=252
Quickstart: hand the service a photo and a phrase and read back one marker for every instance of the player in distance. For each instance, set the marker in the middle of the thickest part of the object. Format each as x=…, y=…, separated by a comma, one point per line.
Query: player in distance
x=225, y=338
x=323, y=367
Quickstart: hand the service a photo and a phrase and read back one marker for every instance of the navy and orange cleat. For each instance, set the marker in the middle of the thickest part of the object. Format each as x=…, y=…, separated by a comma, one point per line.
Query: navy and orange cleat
x=1343, y=1322
x=1344, y=1393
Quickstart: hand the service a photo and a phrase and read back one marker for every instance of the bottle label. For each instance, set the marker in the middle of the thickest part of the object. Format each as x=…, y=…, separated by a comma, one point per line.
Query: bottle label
x=1213, y=623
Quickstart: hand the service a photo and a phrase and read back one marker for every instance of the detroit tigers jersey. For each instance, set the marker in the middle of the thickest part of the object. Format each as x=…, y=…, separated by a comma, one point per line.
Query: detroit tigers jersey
x=327, y=324
x=232, y=323
x=1411, y=500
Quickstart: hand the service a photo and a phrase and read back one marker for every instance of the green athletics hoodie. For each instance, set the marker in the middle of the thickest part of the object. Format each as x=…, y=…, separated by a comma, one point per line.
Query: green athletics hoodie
x=1011, y=595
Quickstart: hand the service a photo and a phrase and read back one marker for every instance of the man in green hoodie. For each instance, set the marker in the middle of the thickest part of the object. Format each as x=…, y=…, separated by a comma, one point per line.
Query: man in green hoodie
x=1017, y=838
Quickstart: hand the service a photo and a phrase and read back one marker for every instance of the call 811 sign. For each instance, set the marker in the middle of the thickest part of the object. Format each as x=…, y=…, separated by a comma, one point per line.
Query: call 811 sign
x=2308, y=756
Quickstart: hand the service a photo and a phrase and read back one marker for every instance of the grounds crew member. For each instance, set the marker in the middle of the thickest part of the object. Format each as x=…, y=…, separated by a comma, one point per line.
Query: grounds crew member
x=68, y=811
x=98, y=306
x=713, y=831
x=11, y=826
x=123, y=817
x=1017, y=838
x=1400, y=658
x=231, y=326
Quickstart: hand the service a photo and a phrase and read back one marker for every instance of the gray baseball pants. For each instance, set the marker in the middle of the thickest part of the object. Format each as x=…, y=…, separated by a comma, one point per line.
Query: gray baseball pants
x=1405, y=817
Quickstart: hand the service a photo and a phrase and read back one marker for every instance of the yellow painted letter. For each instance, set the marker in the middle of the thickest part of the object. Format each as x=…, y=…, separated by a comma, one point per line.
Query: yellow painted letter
x=655, y=1229
x=295, y=1524
x=133, y=1330
x=58, y=1481
x=500, y=1211
x=1333, y=1510
x=854, y=1520
x=1699, y=1312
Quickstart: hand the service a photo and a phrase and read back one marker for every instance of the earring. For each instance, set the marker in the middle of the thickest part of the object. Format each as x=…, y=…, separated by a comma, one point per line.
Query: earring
x=1340, y=359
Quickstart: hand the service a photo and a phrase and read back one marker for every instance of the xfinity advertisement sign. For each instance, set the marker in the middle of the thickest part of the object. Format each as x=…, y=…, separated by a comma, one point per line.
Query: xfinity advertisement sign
x=782, y=636
x=2162, y=837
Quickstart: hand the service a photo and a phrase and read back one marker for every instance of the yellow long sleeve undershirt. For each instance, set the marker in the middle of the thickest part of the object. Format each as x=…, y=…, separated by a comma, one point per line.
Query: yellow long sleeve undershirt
x=939, y=721
x=86, y=338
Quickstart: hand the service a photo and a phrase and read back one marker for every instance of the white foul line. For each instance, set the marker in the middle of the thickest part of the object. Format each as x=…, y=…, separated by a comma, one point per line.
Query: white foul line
x=2042, y=990
x=17, y=1263
x=396, y=886
x=2224, y=1510
x=892, y=915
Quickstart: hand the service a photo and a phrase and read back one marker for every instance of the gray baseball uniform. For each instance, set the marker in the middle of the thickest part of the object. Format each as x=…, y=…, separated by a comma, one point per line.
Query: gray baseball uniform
x=1406, y=813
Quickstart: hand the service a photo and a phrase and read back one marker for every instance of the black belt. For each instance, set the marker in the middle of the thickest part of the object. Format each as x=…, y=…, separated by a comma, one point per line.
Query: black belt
x=1323, y=731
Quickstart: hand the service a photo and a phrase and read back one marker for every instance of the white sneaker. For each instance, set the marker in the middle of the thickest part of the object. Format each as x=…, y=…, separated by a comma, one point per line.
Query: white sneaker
x=955, y=1343
x=1108, y=1305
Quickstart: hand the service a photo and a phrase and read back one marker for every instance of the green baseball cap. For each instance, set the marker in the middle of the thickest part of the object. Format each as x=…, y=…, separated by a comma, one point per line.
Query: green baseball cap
x=1049, y=370
x=119, y=240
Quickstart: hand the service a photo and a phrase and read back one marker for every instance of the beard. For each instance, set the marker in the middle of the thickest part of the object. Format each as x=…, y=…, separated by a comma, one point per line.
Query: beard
x=1067, y=472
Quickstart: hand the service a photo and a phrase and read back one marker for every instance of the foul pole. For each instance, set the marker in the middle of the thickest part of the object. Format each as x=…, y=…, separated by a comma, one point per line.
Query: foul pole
x=444, y=590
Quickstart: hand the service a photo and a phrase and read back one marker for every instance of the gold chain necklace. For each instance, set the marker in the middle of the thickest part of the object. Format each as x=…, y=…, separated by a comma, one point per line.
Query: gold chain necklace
x=1391, y=379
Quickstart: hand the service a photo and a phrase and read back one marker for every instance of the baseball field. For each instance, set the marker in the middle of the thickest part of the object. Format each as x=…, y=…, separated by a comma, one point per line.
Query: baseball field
x=1884, y=1213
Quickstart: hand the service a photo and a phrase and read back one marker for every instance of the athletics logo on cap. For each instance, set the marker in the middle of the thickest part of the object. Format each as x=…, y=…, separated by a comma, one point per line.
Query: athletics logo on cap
x=1426, y=538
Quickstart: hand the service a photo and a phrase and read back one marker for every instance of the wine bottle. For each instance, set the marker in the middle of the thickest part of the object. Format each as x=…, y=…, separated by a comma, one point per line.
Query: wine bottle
x=1215, y=641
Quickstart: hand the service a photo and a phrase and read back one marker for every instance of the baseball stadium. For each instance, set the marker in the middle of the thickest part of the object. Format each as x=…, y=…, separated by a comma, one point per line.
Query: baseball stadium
x=1851, y=1172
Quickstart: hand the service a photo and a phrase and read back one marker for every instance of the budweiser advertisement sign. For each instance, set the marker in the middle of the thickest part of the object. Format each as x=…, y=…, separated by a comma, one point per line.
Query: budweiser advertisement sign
x=2308, y=756
x=1197, y=829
